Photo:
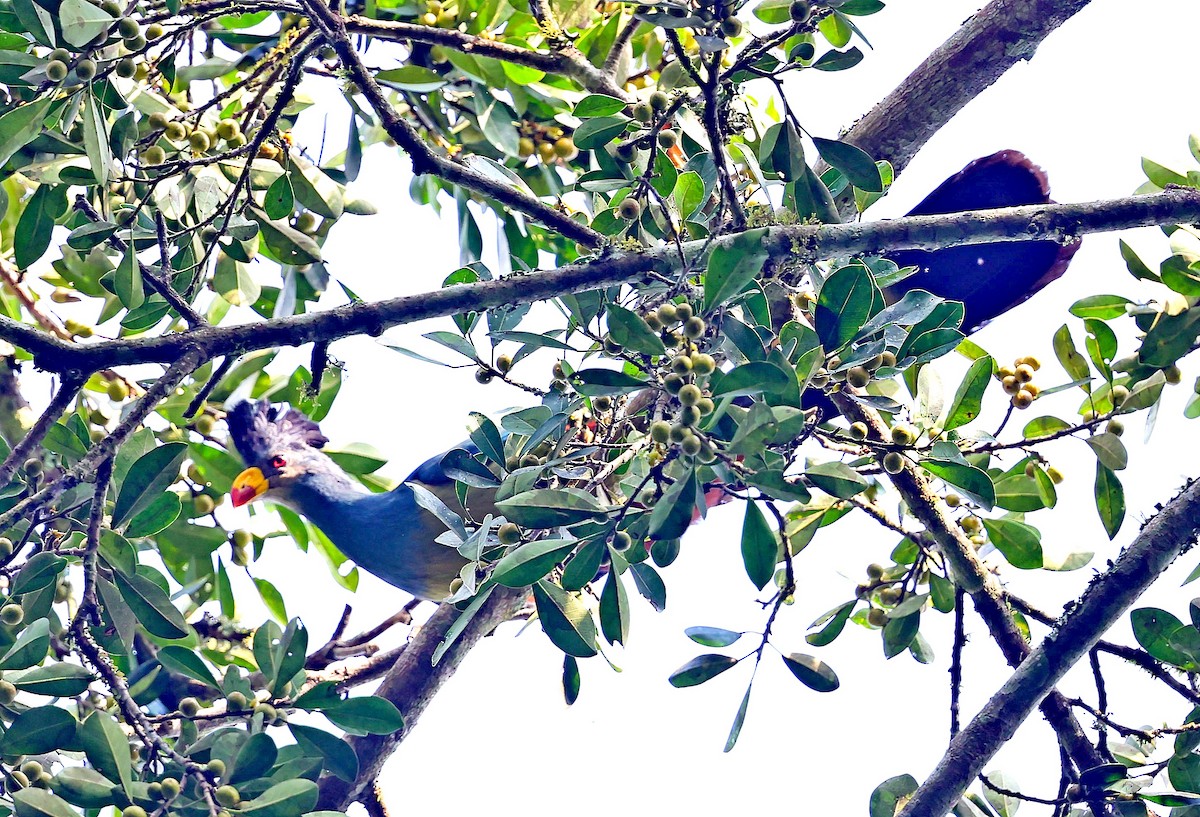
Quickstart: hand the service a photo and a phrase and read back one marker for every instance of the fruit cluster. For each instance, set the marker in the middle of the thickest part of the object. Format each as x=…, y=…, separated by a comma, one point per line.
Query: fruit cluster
x=1017, y=380
x=176, y=135
x=551, y=144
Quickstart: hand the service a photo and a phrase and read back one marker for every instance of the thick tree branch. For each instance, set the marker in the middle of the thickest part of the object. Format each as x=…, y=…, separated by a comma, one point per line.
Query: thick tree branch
x=805, y=244
x=1171, y=532
x=411, y=684
x=988, y=44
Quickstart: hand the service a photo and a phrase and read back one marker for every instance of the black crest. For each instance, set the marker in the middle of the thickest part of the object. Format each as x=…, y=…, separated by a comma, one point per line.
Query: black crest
x=259, y=429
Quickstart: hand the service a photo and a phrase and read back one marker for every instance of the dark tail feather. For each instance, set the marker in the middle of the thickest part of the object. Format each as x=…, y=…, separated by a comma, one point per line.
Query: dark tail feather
x=989, y=279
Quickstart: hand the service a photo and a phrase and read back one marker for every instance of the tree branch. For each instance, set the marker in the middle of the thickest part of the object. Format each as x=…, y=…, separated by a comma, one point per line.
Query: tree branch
x=412, y=683
x=806, y=244
x=1171, y=532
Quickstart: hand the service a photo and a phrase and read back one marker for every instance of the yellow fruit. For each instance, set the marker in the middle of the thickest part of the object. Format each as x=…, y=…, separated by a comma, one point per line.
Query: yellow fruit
x=198, y=141
x=858, y=431
x=565, y=148
x=117, y=390
x=690, y=394
x=154, y=155
x=876, y=617
x=703, y=364
x=525, y=147
x=509, y=533
x=858, y=377
x=1023, y=399
x=893, y=463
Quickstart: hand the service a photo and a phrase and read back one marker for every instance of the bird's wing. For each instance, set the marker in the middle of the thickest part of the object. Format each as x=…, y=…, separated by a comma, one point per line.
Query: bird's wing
x=989, y=279
x=432, y=476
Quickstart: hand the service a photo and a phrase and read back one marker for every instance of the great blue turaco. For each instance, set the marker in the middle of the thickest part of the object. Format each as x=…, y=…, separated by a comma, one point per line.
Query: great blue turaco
x=393, y=537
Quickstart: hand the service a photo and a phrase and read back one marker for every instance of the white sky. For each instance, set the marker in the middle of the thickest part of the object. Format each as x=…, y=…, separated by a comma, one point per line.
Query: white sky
x=1113, y=84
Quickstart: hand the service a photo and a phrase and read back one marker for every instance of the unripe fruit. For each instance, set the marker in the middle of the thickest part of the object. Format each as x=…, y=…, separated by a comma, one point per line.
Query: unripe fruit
x=170, y=787
x=858, y=431
x=694, y=327
x=683, y=310
x=953, y=500
x=33, y=467
x=970, y=524
x=703, y=364
x=691, y=445
x=483, y=376
x=530, y=460
x=679, y=433
x=660, y=431
x=85, y=69
x=800, y=10
x=125, y=68
x=509, y=533
x=154, y=31
x=128, y=27
x=622, y=541
x=673, y=383
x=503, y=363
x=525, y=147
x=60, y=54
x=629, y=209
x=56, y=70
x=876, y=617
x=227, y=128
x=887, y=359
x=731, y=26
x=154, y=155
x=858, y=377
x=667, y=139
x=891, y=595
x=204, y=505
x=874, y=571
x=611, y=347
x=198, y=141
x=903, y=435
x=12, y=614
x=706, y=406
x=6, y=547
x=689, y=416
x=659, y=101
x=227, y=796
x=117, y=390
x=642, y=112
x=681, y=365
x=217, y=766
x=32, y=769
x=133, y=811
x=1119, y=393
x=1115, y=427
x=565, y=148
x=668, y=314
x=690, y=394
x=175, y=131
x=545, y=152
x=1173, y=374
x=602, y=403
x=893, y=463
x=188, y=707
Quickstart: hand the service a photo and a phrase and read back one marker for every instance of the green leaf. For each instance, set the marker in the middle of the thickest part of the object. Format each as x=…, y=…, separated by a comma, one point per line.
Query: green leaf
x=650, y=585
x=1153, y=629
x=594, y=105
x=673, y=513
x=614, y=610
x=1109, y=450
x=836, y=479
x=35, y=226
x=107, y=747
x=357, y=458
x=688, y=194
x=598, y=132
x=733, y=265
x=187, y=663
x=887, y=796
x=291, y=798
x=774, y=12
x=486, y=436
x=739, y=719
x=752, y=378
x=846, y=301
x=550, y=507
x=152, y=607
x=565, y=620
x=1110, y=499
x=571, y=679
x=365, y=715
x=412, y=78
x=700, y=669
x=1044, y=427
x=1102, y=307
x=95, y=128
x=760, y=546
x=628, y=329
x=127, y=281
x=972, y=481
x=855, y=163
x=834, y=621
x=898, y=633
x=30, y=648
x=1137, y=268
x=20, y=126
x=1021, y=544
x=253, y=760
x=279, y=200
x=156, y=518
x=594, y=382
x=54, y=680
x=32, y=802
x=969, y=397
x=41, y=570
x=147, y=479
x=84, y=787
x=782, y=151
x=712, y=636
x=531, y=561
x=812, y=672
x=1075, y=363
x=39, y=730
x=340, y=759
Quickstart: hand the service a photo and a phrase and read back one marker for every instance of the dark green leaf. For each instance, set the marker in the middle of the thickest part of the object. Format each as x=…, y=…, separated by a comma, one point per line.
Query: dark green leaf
x=969, y=397
x=594, y=105
x=628, y=329
x=898, y=633
x=712, y=636
x=291, y=798
x=700, y=669
x=54, y=680
x=412, y=78
x=858, y=166
x=598, y=132
x=33, y=802
x=887, y=796
x=1021, y=544
x=107, y=747
x=733, y=265
x=152, y=606
x=186, y=662
x=595, y=382
x=835, y=621
x=571, y=679
x=365, y=715
x=812, y=672
x=39, y=730
x=550, y=507
x=836, y=479
x=1109, y=450
x=30, y=648
x=614, y=610
x=1153, y=629
x=41, y=570
x=752, y=378
x=650, y=585
x=739, y=719
x=972, y=481
x=846, y=301
x=147, y=479
x=531, y=561
x=673, y=513
x=1110, y=499
x=565, y=620
x=760, y=546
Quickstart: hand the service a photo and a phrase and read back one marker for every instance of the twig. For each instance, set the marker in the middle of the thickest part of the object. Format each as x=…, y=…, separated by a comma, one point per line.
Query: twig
x=29, y=443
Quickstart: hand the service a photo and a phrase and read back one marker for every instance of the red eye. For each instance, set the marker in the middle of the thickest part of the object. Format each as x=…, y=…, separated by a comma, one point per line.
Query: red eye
x=278, y=462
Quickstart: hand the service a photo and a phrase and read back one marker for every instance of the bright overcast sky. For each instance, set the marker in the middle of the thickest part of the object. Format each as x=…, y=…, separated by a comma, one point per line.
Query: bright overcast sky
x=1113, y=84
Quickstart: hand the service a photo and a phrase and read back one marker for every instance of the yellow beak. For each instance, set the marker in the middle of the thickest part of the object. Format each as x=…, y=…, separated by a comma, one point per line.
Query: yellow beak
x=249, y=484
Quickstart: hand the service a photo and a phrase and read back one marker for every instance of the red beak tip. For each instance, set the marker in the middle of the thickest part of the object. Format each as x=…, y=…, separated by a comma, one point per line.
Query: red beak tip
x=240, y=496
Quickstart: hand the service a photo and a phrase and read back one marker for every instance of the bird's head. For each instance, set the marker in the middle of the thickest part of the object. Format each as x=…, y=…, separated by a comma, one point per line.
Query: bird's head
x=280, y=445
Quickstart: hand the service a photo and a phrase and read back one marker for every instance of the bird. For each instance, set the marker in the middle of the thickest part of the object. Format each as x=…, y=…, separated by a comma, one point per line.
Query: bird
x=992, y=278
x=394, y=537
x=388, y=534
